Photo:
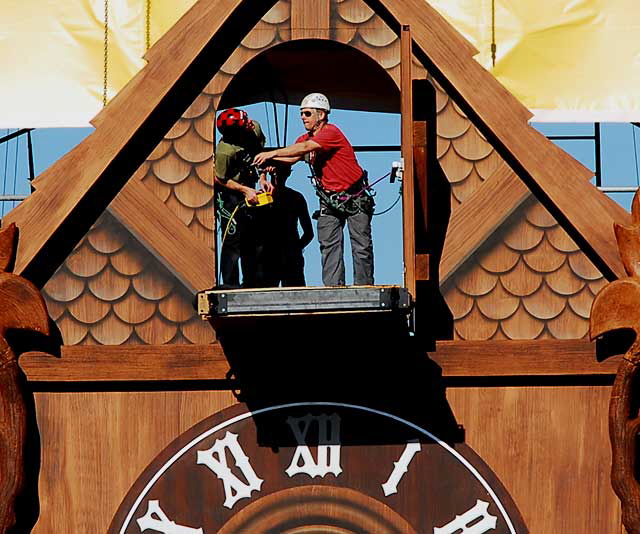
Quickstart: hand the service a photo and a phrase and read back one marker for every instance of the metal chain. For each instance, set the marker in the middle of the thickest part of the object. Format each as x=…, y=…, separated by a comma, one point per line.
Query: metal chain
x=494, y=47
x=147, y=27
x=106, y=52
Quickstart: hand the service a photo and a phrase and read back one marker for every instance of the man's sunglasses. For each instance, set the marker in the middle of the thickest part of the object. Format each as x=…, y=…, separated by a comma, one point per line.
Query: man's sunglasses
x=306, y=113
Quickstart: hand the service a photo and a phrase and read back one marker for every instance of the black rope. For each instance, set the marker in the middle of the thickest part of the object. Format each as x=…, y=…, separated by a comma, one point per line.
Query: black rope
x=285, y=97
x=286, y=120
x=392, y=205
x=266, y=114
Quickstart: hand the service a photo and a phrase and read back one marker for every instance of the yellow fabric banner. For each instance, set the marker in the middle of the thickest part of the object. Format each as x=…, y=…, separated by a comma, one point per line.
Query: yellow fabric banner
x=566, y=60
x=52, y=55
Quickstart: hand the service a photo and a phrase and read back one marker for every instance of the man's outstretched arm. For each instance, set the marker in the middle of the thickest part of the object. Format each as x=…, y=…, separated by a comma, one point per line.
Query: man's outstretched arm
x=296, y=150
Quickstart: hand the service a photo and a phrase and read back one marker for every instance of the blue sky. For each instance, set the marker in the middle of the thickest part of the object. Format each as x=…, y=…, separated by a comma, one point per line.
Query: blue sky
x=619, y=151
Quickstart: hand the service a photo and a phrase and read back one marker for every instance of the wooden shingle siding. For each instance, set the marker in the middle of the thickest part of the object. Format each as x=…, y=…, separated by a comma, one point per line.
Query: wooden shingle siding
x=528, y=281
x=111, y=291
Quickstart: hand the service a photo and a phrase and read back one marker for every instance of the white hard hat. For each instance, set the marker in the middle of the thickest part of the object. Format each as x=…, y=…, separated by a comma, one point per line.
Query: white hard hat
x=316, y=101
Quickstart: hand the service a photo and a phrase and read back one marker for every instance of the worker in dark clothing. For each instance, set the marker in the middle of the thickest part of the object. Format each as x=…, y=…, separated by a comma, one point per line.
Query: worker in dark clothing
x=341, y=184
x=288, y=213
x=235, y=177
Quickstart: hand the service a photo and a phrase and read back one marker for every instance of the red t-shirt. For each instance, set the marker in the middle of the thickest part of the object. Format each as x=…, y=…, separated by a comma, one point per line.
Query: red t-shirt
x=335, y=162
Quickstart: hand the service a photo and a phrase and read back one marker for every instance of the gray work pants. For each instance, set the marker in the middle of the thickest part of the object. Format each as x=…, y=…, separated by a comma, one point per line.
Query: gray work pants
x=331, y=237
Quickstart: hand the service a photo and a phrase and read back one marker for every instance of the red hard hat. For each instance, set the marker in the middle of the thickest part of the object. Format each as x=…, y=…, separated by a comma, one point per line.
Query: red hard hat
x=232, y=119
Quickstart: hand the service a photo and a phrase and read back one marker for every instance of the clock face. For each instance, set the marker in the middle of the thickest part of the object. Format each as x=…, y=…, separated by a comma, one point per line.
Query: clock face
x=308, y=468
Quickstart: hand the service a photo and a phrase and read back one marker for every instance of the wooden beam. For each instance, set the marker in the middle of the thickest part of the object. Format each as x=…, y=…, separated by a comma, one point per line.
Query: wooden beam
x=135, y=363
x=108, y=363
x=310, y=19
x=74, y=191
x=521, y=358
x=421, y=181
x=422, y=267
x=473, y=221
x=164, y=235
x=408, y=186
x=560, y=182
x=422, y=244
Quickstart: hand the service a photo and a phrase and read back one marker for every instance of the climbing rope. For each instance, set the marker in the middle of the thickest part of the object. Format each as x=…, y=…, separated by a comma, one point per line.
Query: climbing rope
x=266, y=114
x=275, y=119
x=223, y=212
x=229, y=223
x=393, y=205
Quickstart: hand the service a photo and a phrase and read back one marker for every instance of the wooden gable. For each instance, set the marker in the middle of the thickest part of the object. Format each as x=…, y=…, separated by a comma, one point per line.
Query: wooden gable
x=171, y=192
x=514, y=265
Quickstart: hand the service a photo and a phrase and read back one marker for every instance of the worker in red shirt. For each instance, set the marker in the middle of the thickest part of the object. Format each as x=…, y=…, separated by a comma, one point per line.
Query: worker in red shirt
x=341, y=185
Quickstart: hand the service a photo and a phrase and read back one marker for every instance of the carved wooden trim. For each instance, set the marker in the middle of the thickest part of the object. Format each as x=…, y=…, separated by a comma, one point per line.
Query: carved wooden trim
x=472, y=223
x=617, y=306
x=21, y=308
x=166, y=236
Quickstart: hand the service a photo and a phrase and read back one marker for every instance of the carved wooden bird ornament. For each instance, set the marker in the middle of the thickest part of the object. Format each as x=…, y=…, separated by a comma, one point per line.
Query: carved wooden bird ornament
x=21, y=308
x=617, y=306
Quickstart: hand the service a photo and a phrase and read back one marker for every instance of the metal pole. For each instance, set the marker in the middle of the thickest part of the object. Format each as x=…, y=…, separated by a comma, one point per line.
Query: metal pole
x=619, y=189
x=9, y=198
x=596, y=135
x=14, y=134
x=32, y=173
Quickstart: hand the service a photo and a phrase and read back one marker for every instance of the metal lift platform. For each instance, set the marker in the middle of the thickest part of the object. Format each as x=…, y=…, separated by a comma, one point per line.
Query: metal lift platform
x=278, y=301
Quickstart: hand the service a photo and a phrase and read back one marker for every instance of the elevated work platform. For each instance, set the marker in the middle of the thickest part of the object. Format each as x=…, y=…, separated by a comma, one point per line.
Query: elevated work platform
x=303, y=300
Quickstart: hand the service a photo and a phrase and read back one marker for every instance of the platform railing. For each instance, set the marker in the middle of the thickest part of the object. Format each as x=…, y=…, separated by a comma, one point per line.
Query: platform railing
x=13, y=196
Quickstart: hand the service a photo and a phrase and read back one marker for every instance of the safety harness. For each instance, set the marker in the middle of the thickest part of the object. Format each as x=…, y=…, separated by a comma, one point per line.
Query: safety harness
x=358, y=198
x=248, y=167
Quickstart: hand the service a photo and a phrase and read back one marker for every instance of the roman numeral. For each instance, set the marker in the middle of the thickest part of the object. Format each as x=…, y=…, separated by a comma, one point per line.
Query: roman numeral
x=400, y=468
x=328, y=453
x=478, y=517
x=215, y=459
x=155, y=519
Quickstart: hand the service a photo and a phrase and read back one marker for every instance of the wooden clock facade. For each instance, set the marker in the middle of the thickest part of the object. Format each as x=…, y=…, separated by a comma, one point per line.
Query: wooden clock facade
x=490, y=224
x=325, y=467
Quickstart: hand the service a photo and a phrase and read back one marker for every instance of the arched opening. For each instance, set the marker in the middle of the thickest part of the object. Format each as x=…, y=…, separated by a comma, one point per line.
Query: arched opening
x=365, y=104
x=288, y=71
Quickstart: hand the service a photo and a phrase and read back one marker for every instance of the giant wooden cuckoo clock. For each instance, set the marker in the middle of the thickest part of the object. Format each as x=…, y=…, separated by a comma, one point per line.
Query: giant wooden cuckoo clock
x=315, y=468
